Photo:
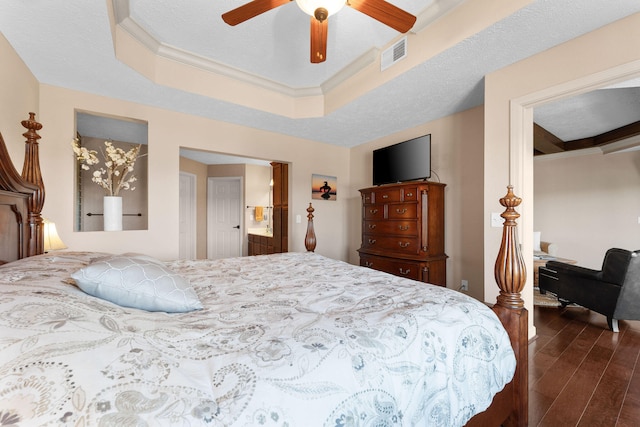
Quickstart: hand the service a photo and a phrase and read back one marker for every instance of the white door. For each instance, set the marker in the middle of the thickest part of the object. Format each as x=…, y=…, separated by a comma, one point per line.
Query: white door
x=224, y=207
x=187, y=216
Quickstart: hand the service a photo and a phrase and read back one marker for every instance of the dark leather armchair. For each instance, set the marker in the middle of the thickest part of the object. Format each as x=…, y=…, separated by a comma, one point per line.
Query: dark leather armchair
x=613, y=291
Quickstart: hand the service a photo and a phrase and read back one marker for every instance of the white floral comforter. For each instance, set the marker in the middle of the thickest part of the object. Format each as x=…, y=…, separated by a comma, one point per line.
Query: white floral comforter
x=291, y=339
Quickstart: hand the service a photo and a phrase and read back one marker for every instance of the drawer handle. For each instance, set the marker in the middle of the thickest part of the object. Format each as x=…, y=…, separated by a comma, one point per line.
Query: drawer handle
x=372, y=226
x=401, y=211
x=372, y=241
x=409, y=194
x=405, y=272
x=403, y=227
x=373, y=211
x=368, y=264
x=385, y=196
x=404, y=244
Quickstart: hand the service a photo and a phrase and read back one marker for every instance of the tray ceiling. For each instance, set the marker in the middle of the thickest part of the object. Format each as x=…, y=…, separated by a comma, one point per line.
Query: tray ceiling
x=75, y=44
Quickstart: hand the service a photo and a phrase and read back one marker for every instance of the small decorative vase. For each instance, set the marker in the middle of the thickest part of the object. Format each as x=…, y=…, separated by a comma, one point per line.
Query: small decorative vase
x=112, y=213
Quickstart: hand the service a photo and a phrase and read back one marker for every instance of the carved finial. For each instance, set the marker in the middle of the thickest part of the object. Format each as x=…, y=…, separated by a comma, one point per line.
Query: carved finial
x=510, y=271
x=310, y=211
x=310, y=237
x=32, y=128
x=510, y=201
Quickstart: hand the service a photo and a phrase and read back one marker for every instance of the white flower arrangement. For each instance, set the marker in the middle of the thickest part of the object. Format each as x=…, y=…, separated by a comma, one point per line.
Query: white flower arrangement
x=118, y=167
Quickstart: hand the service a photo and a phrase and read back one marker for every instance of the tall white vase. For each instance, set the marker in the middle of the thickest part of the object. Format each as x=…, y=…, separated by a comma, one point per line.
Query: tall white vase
x=112, y=213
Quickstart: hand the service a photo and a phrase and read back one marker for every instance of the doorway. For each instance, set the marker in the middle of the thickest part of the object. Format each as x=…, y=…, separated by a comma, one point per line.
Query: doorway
x=520, y=147
x=255, y=190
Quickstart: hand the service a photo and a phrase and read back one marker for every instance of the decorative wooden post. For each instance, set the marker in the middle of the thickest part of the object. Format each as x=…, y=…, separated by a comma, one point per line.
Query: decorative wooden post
x=31, y=173
x=310, y=237
x=510, y=274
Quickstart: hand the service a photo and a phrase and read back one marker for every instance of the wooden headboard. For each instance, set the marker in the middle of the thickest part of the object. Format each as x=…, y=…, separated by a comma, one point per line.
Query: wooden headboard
x=21, y=199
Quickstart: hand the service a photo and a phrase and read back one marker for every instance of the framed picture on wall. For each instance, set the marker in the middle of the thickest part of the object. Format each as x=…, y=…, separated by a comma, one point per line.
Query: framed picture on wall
x=324, y=187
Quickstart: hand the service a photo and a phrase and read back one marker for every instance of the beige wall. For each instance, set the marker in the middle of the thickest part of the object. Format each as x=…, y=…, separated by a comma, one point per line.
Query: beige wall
x=167, y=132
x=587, y=204
x=604, y=56
x=19, y=92
x=456, y=159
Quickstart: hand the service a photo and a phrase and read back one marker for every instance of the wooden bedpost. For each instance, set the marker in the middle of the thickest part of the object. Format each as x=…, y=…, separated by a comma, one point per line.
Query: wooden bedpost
x=310, y=238
x=510, y=274
x=31, y=174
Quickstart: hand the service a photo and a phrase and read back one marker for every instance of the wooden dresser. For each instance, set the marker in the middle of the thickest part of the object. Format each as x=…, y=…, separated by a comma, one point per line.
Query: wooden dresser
x=403, y=230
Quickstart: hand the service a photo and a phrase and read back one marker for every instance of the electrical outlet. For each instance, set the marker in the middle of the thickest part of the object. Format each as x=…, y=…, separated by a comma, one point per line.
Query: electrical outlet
x=496, y=220
x=464, y=285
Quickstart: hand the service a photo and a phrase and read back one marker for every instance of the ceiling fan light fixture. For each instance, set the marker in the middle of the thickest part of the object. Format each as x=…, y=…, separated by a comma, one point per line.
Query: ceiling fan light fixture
x=310, y=6
x=320, y=11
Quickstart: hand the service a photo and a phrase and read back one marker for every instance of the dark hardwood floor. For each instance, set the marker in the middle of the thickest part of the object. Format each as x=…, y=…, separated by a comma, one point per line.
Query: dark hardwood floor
x=581, y=373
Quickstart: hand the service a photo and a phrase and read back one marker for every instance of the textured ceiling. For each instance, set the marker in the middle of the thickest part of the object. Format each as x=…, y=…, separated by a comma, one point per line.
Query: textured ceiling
x=273, y=45
x=592, y=113
x=69, y=43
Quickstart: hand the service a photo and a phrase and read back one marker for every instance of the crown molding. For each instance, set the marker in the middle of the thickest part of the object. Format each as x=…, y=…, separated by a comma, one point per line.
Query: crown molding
x=303, y=102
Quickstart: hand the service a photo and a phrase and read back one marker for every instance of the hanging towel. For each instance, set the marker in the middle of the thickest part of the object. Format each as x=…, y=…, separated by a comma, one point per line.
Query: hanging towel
x=259, y=213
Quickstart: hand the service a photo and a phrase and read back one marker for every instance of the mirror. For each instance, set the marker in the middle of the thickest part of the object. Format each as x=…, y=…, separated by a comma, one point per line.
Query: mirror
x=111, y=154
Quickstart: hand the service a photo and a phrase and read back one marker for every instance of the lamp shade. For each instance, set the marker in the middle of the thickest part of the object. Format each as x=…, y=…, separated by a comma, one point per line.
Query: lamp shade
x=309, y=6
x=52, y=241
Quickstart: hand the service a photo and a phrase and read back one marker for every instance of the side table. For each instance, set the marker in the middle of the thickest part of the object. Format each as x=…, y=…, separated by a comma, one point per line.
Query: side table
x=537, y=262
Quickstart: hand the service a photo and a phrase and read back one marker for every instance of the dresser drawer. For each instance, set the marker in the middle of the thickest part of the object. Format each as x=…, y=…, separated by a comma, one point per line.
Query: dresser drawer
x=385, y=195
x=373, y=212
x=400, y=228
x=402, y=211
x=430, y=271
x=408, y=269
x=390, y=195
x=399, y=245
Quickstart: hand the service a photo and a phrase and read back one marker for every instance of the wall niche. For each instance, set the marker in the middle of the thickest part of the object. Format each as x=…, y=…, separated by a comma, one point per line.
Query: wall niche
x=92, y=131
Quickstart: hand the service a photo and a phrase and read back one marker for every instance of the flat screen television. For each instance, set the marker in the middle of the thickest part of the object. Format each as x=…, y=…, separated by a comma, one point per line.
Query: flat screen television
x=405, y=161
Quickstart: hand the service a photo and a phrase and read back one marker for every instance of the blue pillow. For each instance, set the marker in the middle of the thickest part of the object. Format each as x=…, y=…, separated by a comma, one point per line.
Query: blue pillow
x=138, y=282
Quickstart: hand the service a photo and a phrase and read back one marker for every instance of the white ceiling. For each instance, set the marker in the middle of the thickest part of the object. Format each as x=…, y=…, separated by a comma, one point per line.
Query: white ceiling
x=68, y=43
x=592, y=113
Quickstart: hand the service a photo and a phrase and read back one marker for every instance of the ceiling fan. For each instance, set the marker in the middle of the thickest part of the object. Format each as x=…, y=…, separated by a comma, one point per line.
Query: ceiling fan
x=320, y=10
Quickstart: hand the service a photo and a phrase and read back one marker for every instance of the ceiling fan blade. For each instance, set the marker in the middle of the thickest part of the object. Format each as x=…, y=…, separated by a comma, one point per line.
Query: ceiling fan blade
x=251, y=10
x=385, y=12
x=319, y=31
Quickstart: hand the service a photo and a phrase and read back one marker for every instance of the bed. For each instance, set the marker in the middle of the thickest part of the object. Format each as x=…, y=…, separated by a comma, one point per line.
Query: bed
x=292, y=339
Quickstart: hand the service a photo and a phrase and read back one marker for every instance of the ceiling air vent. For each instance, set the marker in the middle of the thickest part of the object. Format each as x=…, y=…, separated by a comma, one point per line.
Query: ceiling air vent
x=393, y=54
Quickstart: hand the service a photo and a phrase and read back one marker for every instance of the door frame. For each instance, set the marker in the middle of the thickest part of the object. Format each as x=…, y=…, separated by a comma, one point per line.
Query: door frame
x=192, y=217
